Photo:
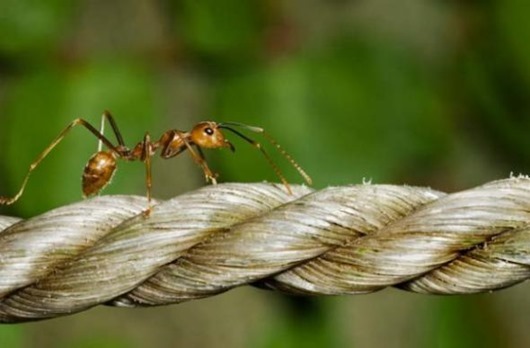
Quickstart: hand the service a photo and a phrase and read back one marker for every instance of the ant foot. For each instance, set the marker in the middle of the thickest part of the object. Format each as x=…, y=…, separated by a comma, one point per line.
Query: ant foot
x=5, y=200
x=212, y=178
x=147, y=212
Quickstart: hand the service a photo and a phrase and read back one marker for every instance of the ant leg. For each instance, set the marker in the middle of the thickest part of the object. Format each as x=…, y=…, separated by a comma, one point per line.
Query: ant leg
x=102, y=131
x=115, y=129
x=204, y=165
x=108, y=117
x=47, y=150
x=147, y=152
x=201, y=161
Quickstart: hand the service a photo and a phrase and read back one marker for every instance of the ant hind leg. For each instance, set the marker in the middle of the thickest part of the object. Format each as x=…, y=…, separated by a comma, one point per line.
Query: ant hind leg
x=78, y=121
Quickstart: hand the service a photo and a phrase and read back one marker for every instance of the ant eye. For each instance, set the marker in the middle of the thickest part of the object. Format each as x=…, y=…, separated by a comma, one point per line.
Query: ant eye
x=208, y=131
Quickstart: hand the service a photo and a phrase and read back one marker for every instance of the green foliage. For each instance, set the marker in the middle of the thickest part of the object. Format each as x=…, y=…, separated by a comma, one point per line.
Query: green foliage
x=32, y=28
x=219, y=29
x=12, y=337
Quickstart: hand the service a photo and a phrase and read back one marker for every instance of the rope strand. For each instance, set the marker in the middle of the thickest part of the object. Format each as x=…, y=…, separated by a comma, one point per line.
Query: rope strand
x=336, y=241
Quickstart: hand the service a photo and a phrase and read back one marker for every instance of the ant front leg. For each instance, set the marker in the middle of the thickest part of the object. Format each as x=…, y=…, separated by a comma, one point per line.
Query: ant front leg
x=199, y=158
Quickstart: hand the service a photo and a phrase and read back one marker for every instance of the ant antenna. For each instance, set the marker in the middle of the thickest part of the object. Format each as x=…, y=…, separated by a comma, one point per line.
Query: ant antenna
x=270, y=139
x=102, y=131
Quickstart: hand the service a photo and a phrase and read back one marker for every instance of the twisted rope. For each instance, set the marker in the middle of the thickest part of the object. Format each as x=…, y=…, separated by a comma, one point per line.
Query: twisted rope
x=340, y=240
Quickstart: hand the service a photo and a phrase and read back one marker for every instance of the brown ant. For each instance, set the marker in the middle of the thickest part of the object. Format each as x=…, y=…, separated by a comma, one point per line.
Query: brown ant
x=204, y=135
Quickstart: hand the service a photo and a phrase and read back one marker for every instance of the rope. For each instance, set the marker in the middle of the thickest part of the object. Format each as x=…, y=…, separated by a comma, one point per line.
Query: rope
x=339, y=240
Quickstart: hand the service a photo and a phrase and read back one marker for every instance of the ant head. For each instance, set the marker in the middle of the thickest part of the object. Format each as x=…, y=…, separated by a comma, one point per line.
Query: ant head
x=209, y=135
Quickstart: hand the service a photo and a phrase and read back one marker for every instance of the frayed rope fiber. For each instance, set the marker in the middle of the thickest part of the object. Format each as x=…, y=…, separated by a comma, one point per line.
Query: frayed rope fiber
x=339, y=240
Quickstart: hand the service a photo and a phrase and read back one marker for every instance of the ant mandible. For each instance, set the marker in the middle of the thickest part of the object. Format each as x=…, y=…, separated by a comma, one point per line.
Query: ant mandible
x=204, y=135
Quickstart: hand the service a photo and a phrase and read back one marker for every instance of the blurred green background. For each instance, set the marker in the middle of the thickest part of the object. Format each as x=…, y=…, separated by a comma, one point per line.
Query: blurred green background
x=431, y=93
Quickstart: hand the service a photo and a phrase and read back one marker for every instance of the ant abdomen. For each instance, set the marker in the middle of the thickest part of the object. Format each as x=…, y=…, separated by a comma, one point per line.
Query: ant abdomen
x=98, y=172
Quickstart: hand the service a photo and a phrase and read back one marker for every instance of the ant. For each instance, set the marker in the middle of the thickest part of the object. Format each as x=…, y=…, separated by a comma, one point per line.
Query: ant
x=204, y=135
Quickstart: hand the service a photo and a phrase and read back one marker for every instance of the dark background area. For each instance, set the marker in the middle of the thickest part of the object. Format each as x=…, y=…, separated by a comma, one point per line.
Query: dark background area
x=430, y=93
